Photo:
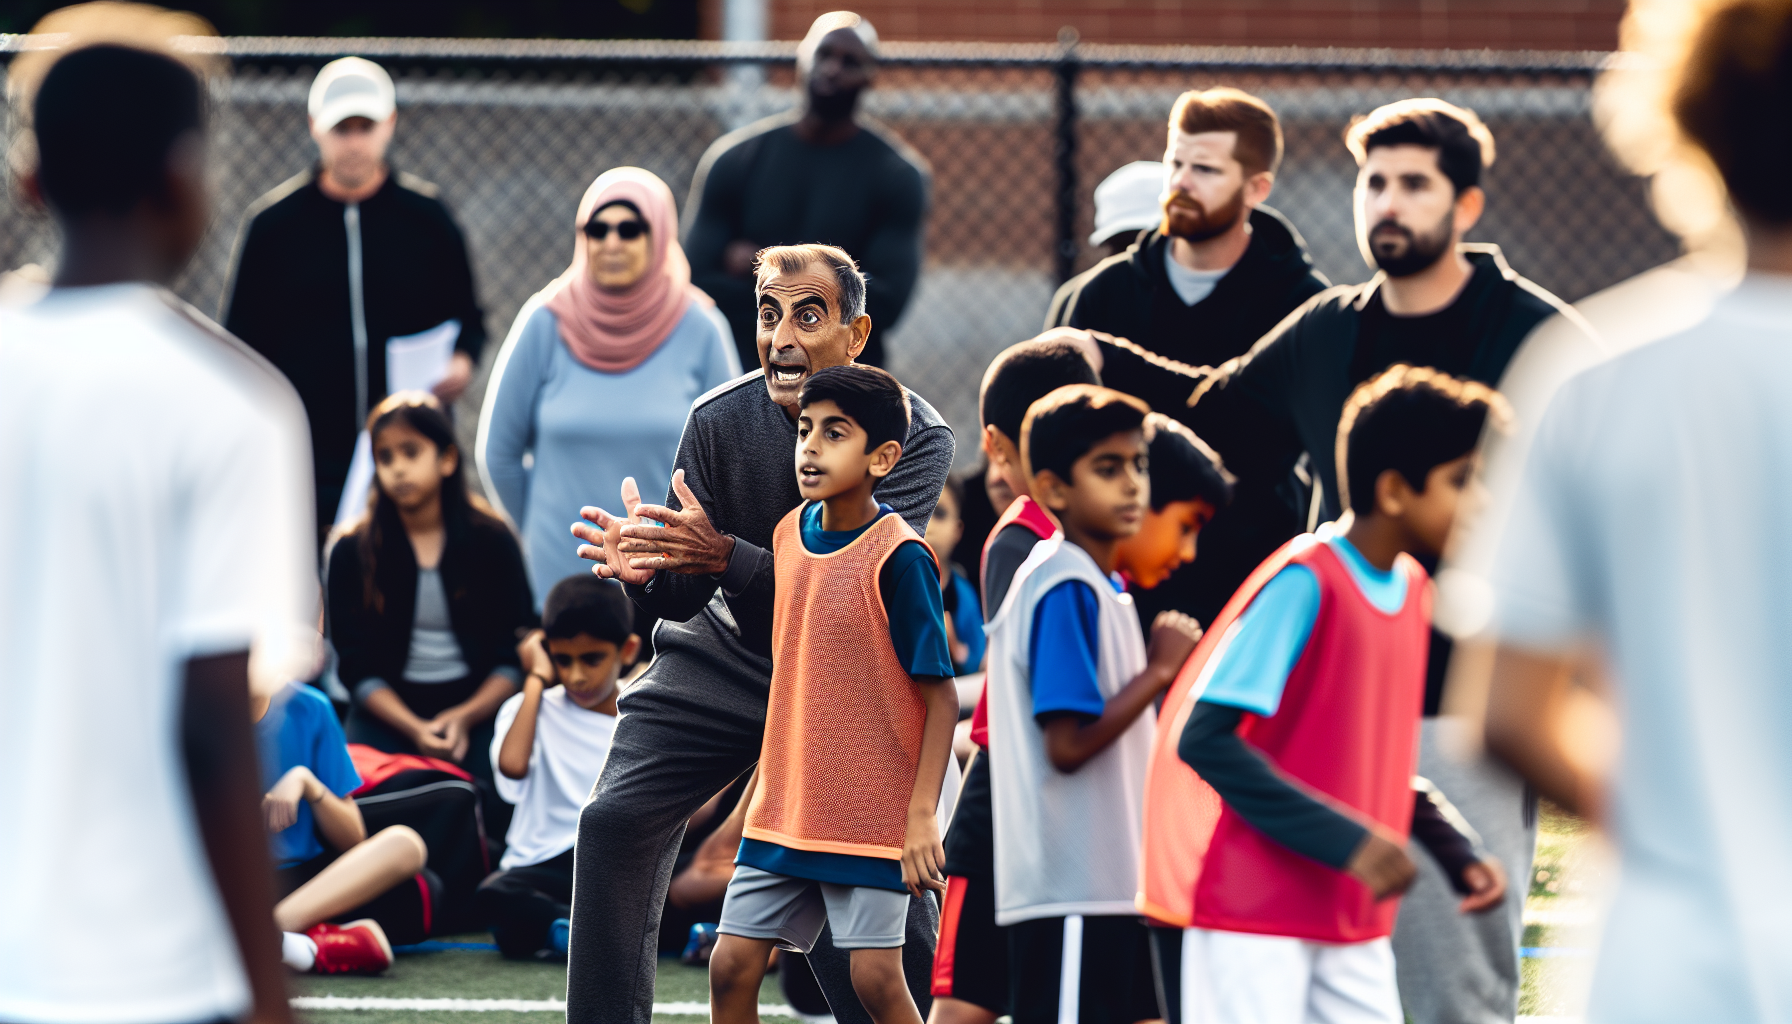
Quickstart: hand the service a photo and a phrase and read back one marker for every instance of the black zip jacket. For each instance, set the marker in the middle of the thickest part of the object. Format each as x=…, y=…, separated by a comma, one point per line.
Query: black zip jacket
x=289, y=299
x=1159, y=342
x=489, y=604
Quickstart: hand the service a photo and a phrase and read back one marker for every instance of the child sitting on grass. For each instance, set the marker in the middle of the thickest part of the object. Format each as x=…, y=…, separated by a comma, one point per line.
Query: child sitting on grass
x=841, y=829
x=549, y=744
x=377, y=879
x=1307, y=728
x=1071, y=685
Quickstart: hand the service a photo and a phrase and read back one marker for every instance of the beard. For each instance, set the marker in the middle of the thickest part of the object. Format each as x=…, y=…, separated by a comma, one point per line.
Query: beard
x=1188, y=218
x=834, y=106
x=1401, y=252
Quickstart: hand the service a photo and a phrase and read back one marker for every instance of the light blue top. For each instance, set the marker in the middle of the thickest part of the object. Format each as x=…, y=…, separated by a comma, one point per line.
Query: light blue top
x=587, y=430
x=1254, y=659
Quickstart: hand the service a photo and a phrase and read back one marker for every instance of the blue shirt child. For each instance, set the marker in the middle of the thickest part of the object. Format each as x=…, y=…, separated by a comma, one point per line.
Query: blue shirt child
x=301, y=728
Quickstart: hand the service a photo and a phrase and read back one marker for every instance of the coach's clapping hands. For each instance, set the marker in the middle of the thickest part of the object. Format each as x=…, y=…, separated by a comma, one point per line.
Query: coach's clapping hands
x=652, y=537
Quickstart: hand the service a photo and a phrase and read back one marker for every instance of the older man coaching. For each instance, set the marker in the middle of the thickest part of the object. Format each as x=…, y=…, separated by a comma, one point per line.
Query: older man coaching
x=694, y=721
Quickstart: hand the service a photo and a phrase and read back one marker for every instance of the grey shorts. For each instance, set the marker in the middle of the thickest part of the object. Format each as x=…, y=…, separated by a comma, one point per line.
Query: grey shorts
x=791, y=911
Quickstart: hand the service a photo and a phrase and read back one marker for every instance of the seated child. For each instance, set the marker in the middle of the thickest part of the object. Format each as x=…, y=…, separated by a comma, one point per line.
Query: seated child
x=964, y=613
x=1308, y=730
x=970, y=964
x=548, y=746
x=376, y=880
x=1071, y=686
x=841, y=829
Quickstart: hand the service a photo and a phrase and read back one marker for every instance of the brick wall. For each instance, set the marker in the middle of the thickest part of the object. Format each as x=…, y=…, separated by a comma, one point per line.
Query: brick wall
x=1463, y=24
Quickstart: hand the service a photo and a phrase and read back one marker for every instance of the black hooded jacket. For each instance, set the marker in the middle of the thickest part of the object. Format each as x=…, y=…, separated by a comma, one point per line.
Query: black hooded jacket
x=1161, y=347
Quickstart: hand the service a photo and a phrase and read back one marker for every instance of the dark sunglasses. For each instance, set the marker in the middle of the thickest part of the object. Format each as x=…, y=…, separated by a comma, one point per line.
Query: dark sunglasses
x=628, y=230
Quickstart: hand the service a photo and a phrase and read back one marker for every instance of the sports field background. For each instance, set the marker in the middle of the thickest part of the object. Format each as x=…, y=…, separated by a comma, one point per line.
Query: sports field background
x=1558, y=937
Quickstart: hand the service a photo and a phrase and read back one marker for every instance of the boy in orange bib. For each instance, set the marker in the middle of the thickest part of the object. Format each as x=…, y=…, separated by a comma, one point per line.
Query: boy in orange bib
x=841, y=827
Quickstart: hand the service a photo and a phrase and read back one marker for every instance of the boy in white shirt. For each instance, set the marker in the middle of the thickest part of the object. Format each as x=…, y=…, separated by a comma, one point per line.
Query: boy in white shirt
x=549, y=745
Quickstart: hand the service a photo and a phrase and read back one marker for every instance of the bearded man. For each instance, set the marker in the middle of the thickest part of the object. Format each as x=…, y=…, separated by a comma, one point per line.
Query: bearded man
x=702, y=563
x=1438, y=302
x=1220, y=271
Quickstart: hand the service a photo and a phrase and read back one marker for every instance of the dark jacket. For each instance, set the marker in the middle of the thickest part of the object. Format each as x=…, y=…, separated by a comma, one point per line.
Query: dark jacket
x=867, y=195
x=1161, y=346
x=736, y=456
x=488, y=602
x=289, y=299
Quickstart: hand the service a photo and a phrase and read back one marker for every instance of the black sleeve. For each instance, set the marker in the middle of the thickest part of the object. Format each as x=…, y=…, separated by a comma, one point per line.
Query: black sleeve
x=248, y=303
x=1244, y=407
x=715, y=200
x=892, y=256
x=458, y=291
x=351, y=624
x=1010, y=548
x=1443, y=831
x=680, y=596
x=1165, y=384
x=1253, y=789
x=512, y=603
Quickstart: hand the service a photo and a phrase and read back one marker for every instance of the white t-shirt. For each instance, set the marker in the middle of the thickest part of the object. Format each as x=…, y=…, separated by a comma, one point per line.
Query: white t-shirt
x=570, y=746
x=155, y=506
x=1652, y=521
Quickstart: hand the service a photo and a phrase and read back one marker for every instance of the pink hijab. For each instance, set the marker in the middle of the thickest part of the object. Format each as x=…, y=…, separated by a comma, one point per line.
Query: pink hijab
x=614, y=331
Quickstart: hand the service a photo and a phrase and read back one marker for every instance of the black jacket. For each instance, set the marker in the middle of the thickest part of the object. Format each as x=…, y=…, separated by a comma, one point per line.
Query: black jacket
x=1161, y=347
x=736, y=456
x=289, y=299
x=488, y=602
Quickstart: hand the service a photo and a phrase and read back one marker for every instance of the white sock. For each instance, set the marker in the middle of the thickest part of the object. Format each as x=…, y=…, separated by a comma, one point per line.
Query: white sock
x=297, y=951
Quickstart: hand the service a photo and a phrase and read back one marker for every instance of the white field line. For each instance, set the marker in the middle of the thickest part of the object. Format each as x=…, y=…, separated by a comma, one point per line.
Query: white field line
x=685, y=1009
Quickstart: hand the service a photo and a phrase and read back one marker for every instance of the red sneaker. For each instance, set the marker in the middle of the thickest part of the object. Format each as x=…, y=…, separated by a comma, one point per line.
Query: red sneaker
x=358, y=947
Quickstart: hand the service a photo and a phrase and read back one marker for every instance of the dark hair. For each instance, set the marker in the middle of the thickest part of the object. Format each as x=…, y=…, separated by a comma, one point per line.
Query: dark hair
x=1734, y=99
x=1225, y=109
x=107, y=119
x=586, y=604
x=1464, y=145
x=1023, y=374
x=955, y=487
x=632, y=208
x=872, y=397
x=380, y=528
x=1410, y=420
x=791, y=259
x=1183, y=467
x=1063, y=426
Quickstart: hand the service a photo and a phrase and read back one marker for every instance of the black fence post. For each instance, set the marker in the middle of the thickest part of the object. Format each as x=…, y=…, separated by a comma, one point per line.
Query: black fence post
x=1065, y=248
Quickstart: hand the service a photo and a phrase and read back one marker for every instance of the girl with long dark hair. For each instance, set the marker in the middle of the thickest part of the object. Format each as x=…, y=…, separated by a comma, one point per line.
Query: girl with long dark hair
x=428, y=596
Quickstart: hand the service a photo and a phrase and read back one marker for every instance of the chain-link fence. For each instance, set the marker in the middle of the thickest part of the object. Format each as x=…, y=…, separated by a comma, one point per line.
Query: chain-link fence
x=1017, y=136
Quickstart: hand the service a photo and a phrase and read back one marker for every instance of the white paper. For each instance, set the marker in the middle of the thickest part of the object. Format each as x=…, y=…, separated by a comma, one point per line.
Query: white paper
x=414, y=362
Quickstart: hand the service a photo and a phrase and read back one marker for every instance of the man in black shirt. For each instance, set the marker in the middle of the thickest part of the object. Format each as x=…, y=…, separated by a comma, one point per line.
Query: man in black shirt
x=823, y=175
x=695, y=721
x=1221, y=270
x=1436, y=302
x=338, y=260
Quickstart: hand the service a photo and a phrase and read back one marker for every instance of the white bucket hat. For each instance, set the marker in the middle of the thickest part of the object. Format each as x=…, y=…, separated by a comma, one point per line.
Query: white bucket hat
x=1128, y=200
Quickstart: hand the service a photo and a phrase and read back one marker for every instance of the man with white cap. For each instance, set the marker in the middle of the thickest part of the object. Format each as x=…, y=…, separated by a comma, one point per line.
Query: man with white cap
x=347, y=255
x=818, y=174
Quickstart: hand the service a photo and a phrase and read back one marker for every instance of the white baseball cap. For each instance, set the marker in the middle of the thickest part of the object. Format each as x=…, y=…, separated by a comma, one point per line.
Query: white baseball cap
x=1128, y=200
x=351, y=87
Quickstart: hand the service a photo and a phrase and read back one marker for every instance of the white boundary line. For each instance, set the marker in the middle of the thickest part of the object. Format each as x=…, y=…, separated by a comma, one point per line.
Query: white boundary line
x=685, y=1009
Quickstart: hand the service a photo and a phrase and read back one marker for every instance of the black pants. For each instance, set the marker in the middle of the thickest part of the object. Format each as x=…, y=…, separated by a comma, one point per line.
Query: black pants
x=427, y=700
x=521, y=905
x=1113, y=968
x=404, y=912
x=689, y=727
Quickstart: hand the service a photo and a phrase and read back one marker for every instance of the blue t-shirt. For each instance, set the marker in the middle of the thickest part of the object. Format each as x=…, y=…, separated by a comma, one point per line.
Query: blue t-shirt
x=967, y=619
x=1065, y=651
x=300, y=728
x=910, y=585
x=1255, y=657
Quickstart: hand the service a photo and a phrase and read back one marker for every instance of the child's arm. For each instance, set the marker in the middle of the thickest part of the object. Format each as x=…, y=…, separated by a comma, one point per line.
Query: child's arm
x=338, y=818
x=1070, y=741
x=1456, y=847
x=923, y=856
x=519, y=740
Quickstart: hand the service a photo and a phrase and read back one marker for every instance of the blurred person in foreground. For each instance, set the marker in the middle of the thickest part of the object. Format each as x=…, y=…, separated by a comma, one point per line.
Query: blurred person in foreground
x=1452, y=306
x=139, y=886
x=821, y=174
x=560, y=421
x=1220, y=271
x=693, y=722
x=1638, y=590
x=342, y=258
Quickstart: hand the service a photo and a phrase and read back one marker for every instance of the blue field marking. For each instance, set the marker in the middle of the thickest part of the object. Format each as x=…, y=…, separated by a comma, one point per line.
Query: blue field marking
x=1551, y=952
x=433, y=946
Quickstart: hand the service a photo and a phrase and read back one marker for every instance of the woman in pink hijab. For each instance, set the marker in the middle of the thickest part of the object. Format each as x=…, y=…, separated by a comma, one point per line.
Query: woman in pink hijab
x=601, y=366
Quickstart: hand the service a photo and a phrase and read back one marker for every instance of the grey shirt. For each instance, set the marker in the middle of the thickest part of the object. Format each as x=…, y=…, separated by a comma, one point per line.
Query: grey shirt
x=435, y=655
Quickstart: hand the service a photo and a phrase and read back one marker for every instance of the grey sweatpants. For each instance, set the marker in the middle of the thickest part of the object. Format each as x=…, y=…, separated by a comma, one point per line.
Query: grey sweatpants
x=690, y=725
x=1457, y=968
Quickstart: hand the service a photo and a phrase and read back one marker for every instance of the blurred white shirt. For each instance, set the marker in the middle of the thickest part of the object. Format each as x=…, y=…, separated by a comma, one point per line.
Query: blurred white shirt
x=571, y=744
x=155, y=506
x=1651, y=520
